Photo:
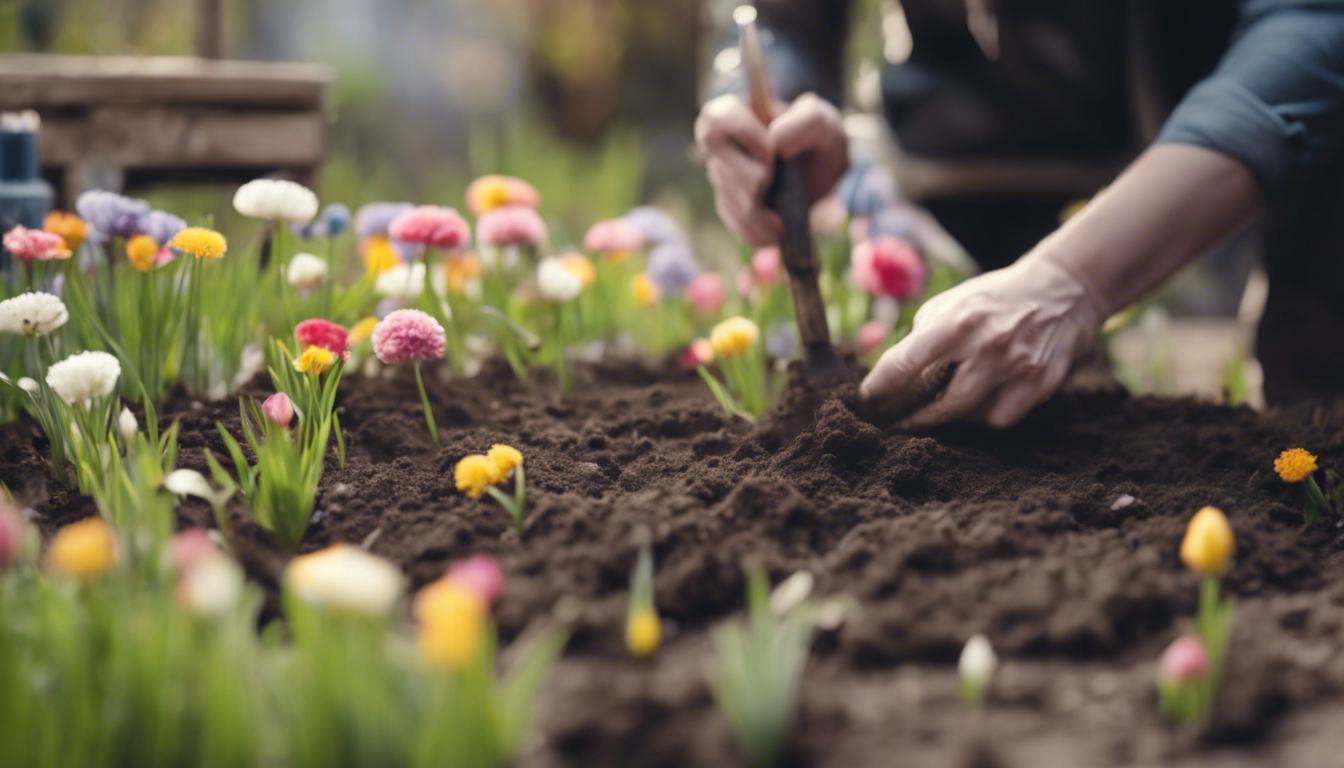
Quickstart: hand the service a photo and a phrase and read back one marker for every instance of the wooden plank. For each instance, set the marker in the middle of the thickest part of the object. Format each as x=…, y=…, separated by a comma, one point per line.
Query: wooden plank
x=30, y=81
x=182, y=138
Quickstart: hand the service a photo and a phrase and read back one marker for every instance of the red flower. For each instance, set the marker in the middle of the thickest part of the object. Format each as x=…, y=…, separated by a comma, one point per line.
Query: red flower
x=888, y=266
x=321, y=333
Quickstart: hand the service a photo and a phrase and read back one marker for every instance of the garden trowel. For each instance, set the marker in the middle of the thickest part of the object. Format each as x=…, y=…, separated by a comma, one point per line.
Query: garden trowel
x=787, y=196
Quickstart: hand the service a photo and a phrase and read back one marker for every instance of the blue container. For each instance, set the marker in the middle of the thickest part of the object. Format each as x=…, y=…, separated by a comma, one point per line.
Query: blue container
x=25, y=198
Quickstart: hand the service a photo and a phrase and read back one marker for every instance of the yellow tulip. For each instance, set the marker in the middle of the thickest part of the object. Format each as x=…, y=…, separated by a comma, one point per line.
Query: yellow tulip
x=643, y=632
x=451, y=621
x=1208, y=545
x=84, y=550
x=733, y=336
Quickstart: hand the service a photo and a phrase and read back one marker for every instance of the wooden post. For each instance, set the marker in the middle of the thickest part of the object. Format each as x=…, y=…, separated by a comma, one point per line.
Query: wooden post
x=209, y=29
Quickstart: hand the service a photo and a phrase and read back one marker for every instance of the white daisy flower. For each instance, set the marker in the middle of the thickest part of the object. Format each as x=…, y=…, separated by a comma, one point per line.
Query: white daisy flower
x=32, y=314
x=402, y=281
x=557, y=282
x=276, y=200
x=84, y=376
x=306, y=270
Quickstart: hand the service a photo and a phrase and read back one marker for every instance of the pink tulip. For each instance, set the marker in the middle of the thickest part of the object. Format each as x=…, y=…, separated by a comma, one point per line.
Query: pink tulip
x=1185, y=660
x=11, y=535
x=888, y=266
x=480, y=574
x=432, y=225
x=765, y=265
x=190, y=547
x=705, y=294
x=700, y=352
x=871, y=335
x=279, y=409
x=510, y=225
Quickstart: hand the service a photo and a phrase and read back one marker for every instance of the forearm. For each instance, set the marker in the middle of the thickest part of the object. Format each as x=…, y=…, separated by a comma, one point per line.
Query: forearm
x=1171, y=205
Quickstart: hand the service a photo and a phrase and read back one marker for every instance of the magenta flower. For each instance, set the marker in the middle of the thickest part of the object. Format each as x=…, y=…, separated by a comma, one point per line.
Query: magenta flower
x=705, y=294
x=29, y=245
x=279, y=409
x=871, y=334
x=408, y=334
x=480, y=574
x=1185, y=660
x=322, y=333
x=510, y=225
x=765, y=265
x=431, y=225
x=613, y=236
x=888, y=266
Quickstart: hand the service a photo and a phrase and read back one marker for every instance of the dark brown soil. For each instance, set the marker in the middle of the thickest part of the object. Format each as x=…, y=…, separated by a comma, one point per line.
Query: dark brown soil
x=936, y=536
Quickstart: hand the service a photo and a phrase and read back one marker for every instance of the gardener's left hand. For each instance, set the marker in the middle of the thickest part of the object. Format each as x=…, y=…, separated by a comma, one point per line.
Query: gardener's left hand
x=1014, y=333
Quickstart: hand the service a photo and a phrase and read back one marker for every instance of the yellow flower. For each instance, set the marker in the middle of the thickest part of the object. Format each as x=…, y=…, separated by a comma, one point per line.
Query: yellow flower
x=361, y=331
x=494, y=191
x=475, y=473
x=580, y=265
x=315, y=360
x=200, y=242
x=646, y=293
x=83, y=550
x=451, y=620
x=70, y=227
x=140, y=251
x=378, y=254
x=505, y=458
x=643, y=632
x=1208, y=544
x=733, y=336
x=460, y=270
x=1295, y=465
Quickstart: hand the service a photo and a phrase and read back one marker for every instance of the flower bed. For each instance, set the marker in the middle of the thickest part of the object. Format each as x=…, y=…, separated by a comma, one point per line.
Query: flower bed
x=1023, y=535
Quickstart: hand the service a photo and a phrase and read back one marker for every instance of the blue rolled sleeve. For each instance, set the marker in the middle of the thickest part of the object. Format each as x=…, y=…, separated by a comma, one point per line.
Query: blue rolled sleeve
x=1276, y=100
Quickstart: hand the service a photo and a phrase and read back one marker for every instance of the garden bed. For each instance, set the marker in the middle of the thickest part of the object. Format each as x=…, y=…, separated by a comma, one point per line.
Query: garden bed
x=936, y=536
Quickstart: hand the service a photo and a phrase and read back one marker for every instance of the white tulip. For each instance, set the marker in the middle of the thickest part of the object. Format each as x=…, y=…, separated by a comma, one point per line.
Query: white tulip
x=557, y=282
x=402, y=281
x=976, y=667
x=306, y=271
x=127, y=424
x=188, y=482
x=791, y=593
x=84, y=376
x=276, y=200
x=32, y=314
x=28, y=385
x=346, y=578
x=211, y=587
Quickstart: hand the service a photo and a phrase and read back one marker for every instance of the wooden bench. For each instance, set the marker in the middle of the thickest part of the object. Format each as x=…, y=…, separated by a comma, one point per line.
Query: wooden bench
x=111, y=122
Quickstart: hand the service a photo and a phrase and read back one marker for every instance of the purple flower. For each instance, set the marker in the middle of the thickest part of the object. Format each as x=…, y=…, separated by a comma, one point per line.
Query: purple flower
x=161, y=226
x=672, y=267
x=655, y=225
x=867, y=189
x=375, y=218
x=110, y=214
x=781, y=341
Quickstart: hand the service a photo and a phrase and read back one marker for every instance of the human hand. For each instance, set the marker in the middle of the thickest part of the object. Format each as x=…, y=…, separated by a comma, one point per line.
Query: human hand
x=740, y=151
x=1014, y=333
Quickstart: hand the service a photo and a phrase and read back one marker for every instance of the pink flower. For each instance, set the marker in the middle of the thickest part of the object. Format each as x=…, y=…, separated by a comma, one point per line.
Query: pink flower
x=322, y=333
x=700, y=352
x=480, y=574
x=28, y=245
x=11, y=535
x=613, y=236
x=431, y=225
x=279, y=409
x=511, y=225
x=705, y=294
x=408, y=334
x=888, y=266
x=871, y=334
x=190, y=547
x=1185, y=660
x=765, y=265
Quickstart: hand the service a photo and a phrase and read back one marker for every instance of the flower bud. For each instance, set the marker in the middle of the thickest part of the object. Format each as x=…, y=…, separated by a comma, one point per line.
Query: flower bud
x=346, y=578
x=1185, y=660
x=211, y=587
x=83, y=550
x=279, y=409
x=643, y=632
x=451, y=620
x=765, y=265
x=976, y=667
x=480, y=574
x=705, y=294
x=1208, y=545
x=127, y=424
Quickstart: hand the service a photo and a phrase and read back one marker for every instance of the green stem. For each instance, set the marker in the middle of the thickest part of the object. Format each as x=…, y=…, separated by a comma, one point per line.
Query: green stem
x=1318, y=502
x=424, y=403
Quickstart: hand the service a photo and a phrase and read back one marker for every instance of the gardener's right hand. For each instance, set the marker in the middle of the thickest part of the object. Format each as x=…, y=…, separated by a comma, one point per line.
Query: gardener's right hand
x=740, y=151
